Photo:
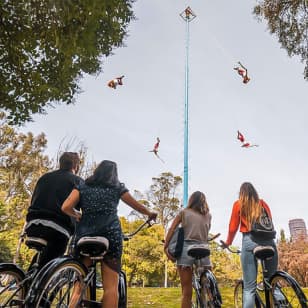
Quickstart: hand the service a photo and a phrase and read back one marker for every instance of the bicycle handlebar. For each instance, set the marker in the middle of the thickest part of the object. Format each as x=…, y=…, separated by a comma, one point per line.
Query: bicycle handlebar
x=225, y=246
x=213, y=237
x=148, y=222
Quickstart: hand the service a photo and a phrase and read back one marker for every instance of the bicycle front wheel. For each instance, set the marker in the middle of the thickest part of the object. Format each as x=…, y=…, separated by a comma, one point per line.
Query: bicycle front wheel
x=286, y=292
x=63, y=286
x=12, y=289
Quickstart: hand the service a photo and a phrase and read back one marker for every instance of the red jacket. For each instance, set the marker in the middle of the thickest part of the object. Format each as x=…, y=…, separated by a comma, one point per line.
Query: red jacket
x=236, y=220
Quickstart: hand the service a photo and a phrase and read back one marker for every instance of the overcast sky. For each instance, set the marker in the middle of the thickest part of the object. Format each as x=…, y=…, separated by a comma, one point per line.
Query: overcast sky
x=271, y=110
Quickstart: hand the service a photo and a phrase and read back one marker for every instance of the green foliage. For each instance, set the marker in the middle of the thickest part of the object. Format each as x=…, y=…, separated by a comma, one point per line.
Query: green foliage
x=47, y=46
x=22, y=162
x=142, y=257
x=226, y=266
x=164, y=198
x=288, y=20
x=282, y=236
x=5, y=253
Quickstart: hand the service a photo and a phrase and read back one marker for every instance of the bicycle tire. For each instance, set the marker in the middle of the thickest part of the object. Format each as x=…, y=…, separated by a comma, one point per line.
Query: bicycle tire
x=55, y=288
x=12, y=290
x=209, y=292
x=122, y=290
x=286, y=292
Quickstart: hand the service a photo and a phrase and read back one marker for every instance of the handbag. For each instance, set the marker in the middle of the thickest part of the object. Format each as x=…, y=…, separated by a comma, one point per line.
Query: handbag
x=176, y=243
x=263, y=228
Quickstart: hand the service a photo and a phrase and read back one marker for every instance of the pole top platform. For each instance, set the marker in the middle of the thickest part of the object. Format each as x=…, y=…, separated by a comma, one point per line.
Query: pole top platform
x=188, y=14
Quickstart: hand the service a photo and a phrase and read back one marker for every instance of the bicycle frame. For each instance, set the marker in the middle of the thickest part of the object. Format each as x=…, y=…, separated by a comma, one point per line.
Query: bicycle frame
x=88, y=282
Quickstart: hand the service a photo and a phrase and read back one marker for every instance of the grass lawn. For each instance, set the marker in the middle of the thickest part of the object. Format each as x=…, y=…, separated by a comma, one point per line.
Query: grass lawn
x=166, y=297
x=169, y=297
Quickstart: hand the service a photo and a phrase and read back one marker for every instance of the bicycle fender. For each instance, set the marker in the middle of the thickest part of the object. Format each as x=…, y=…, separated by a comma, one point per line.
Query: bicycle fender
x=212, y=279
x=45, y=272
x=51, y=266
x=287, y=276
x=13, y=267
x=293, y=282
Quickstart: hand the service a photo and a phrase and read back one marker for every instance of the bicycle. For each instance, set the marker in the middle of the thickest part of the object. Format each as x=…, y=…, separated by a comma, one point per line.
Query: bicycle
x=207, y=294
x=280, y=290
x=14, y=281
x=55, y=286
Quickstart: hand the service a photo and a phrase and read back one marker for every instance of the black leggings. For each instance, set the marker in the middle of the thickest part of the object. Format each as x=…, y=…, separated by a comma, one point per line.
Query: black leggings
x=56, y=243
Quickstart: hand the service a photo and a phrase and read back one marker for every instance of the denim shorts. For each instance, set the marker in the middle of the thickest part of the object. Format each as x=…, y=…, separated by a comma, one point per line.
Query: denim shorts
x=186, y=260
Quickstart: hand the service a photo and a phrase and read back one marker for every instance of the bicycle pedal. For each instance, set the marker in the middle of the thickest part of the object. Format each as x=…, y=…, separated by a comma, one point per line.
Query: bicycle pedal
x=90, y=304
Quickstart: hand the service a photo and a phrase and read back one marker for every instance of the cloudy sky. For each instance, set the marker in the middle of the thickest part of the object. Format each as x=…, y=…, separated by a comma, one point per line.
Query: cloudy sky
x=271, y=110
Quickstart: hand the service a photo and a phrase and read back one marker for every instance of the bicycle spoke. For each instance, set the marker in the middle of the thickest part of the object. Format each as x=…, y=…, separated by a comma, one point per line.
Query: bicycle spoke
x=284, y=294
x=11, y=288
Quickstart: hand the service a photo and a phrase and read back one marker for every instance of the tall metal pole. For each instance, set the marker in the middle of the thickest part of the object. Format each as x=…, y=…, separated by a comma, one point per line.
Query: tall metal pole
x=188, y=16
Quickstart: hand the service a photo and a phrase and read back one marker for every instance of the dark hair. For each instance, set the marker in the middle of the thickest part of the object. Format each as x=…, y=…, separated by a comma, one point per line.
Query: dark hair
x=105, y=174
x=197, y=202
x=69, y=161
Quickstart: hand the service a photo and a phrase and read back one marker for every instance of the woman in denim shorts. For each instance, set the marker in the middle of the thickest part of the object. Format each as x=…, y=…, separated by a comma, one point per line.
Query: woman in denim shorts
x=196, y=222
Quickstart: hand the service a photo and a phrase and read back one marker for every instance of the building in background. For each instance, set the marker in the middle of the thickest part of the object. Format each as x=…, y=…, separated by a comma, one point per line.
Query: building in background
x=298, y=229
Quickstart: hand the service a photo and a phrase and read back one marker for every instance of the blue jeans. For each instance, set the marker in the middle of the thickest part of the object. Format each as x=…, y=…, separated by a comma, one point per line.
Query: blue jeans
x=250, y=268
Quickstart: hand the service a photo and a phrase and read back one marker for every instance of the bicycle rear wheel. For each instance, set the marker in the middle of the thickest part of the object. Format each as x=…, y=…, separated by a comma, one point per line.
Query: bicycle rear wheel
x=286, y=292
x=62, y=285
x=209, y=293
x=122, y=290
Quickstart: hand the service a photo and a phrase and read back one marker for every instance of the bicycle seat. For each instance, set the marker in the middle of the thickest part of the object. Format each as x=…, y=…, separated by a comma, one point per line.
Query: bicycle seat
x=198, y=251
x=93, y=246
x=36, y=243
x=263, y=252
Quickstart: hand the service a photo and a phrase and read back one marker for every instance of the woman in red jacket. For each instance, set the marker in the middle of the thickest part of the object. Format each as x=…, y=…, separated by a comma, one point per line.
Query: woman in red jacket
x=247, y=209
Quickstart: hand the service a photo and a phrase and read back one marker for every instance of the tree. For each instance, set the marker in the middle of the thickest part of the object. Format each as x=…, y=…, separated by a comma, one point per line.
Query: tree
x=47, y=47
x=293, y=258
x=143, y=253
x=22, y=162
x=164, y=198
x=289, y=21
x=282, y=236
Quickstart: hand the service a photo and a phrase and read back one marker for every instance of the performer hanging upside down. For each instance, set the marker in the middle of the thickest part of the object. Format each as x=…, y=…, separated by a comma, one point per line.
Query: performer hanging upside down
x=115, y=82
x=155, y=149
x=242, y=71
x=245, y=144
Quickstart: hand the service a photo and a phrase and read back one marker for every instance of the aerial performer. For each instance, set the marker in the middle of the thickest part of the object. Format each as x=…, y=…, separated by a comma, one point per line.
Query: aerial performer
x=245, y=144
x=115, y=82
x=155, y=149
x=242, y=71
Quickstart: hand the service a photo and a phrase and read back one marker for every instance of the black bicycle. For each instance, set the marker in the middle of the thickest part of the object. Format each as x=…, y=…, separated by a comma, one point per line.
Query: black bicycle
x=56, y=287
x=204, y=282
x=16, y=282
x=281, y=290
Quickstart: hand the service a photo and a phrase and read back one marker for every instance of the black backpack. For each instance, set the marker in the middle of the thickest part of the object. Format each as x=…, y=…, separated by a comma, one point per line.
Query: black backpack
x=263, y=228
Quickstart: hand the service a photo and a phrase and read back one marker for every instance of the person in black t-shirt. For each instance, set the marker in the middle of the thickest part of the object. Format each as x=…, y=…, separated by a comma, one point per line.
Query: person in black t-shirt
x=45, y=218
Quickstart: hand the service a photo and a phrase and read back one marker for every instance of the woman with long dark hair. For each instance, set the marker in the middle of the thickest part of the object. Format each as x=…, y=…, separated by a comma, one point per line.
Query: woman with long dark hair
x=196, y=222
x=247, y=210
x=98, y=199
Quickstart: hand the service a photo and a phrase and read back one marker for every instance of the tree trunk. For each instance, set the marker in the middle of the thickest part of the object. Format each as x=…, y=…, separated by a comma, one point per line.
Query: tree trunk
x=166, y=273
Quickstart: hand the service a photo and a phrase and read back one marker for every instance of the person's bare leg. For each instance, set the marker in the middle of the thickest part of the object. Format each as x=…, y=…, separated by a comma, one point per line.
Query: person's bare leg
x=110, y=280
x=186, y=283
x=77, y=287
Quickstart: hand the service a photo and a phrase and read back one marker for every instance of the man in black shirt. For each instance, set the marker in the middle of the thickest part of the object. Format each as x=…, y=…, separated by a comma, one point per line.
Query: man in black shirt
x=45, y=218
